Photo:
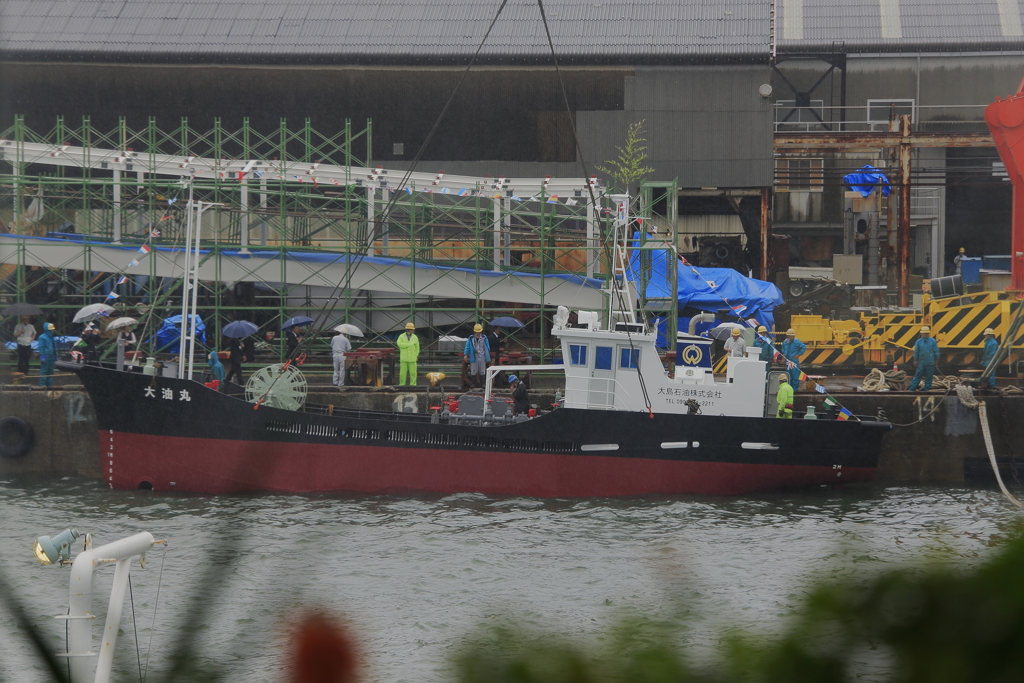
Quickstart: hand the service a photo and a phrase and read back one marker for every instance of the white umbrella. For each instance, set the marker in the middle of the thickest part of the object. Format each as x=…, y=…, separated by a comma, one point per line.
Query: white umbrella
x=121, y=322
x=91, y=312
x=346, y=328
x=724, y=331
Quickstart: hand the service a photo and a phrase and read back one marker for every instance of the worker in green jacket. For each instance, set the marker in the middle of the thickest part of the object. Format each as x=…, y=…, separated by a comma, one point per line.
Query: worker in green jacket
x=784, y=398
x=991, y=347
x=409, y=353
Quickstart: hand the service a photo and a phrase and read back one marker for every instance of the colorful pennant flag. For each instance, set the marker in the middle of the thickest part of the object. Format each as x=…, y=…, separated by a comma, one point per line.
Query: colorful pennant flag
x=154, y=233
x=553, y=199
x=124, y=279
x=171, y=201
x=820, y=389
x=144, y=249
x=112, y=295
x=844, y=414
x=463, y=192
x=803, y=377
x=571, y=202
x=831, y=402
x=517, y=198
x=133, y=263
x=444, y=190
x=166, y=218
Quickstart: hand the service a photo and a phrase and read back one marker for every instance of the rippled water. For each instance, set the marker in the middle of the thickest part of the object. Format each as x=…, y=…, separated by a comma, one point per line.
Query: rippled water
x=415, y=575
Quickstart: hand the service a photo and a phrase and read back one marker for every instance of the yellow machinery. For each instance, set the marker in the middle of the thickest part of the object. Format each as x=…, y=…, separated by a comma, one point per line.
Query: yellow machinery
x=881, y=339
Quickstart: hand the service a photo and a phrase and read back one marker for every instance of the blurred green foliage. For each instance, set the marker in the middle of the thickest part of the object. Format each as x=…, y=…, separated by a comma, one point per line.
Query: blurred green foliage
x=917, y=625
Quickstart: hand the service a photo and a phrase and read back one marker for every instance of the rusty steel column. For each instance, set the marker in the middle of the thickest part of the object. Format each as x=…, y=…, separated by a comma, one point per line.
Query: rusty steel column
x=903, y=230
x=766, y=230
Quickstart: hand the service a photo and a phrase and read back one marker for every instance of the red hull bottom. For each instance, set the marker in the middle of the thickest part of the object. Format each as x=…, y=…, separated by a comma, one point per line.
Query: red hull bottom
x=222, y=466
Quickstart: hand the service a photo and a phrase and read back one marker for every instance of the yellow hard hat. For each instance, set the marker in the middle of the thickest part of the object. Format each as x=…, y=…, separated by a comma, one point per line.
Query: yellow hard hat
x=762, y=328
x=735, y=332
x=962, y=250
x=410, y=326
x=478, y=328
x=926, y=330
x=783, y=378
x=989, y=330
x=791, y=331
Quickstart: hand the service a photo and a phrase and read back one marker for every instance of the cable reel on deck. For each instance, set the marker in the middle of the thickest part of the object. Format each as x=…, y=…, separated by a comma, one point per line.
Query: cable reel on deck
x=277, y=386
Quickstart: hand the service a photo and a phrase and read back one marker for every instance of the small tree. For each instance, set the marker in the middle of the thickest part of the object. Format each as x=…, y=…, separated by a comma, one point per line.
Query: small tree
x=629, y=167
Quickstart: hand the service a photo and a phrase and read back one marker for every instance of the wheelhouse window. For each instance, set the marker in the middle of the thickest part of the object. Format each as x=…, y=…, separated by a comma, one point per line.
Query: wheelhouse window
x=629, y=358
x=578, y=354
x=603, y=358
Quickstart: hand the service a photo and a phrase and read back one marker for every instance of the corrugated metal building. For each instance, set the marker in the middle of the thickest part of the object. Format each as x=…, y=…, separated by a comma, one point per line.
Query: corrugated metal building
x=692, y=69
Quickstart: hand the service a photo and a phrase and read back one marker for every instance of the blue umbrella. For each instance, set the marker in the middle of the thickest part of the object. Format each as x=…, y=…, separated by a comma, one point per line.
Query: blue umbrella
x=506, y=322
x=299, y=320
x=239, y=328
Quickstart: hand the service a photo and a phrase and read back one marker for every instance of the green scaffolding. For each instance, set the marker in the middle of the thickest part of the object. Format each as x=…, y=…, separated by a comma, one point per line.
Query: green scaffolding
x=474, y=234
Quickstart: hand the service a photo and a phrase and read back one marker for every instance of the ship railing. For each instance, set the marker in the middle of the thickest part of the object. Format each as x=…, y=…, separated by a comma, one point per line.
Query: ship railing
x=495, y=369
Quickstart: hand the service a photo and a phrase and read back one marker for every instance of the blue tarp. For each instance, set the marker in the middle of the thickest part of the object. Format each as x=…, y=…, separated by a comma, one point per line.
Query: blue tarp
x=63, y=343
x=710, y=289
x=169, y=334
x=866, y=179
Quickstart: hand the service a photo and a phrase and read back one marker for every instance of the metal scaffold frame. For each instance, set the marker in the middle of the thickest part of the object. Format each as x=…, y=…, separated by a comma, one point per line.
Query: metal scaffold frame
x=302, y=222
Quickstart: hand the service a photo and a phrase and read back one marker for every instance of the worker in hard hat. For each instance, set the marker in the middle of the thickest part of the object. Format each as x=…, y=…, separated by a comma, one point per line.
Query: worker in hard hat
x=735, y=346
x=958, y=261
x=408, y=354
x=926, y=355
x=477, y=352
x=784, y=398
x=763, y=342
x=991, y=347
x=792, y=349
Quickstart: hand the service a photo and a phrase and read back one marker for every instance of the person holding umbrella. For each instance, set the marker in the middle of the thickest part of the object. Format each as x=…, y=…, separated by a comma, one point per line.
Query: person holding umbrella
x=293, y=337
x=340, y=345
x=237, y=356
x=24, y=334
x=47, y=355
x=409, y=353
x=235, y=332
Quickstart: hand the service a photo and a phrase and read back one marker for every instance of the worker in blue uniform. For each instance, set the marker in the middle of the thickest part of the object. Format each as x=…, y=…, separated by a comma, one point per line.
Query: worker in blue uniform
x=47, y=355
x=792, y=349
x=765, y=344
x=926, y=355
x=991, y=347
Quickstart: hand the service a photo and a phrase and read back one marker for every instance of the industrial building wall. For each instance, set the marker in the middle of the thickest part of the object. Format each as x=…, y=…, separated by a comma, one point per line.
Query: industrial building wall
x=706, y=125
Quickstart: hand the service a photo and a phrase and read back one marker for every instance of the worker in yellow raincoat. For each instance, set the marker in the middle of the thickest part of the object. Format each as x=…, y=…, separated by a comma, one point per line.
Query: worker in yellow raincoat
x=408, y=354
x=785, y=398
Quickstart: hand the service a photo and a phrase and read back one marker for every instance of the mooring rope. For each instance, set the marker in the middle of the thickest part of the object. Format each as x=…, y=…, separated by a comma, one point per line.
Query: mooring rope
x=983, y=416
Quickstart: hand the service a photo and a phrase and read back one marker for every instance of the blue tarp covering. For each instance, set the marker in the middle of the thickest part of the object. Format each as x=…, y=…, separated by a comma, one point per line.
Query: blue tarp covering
x=710, y=289
x=866, y=179
x=169, y=334
x=63, y=343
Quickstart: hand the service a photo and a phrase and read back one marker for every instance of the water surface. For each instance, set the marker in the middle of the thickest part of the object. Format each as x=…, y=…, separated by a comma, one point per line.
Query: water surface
x=415, y=575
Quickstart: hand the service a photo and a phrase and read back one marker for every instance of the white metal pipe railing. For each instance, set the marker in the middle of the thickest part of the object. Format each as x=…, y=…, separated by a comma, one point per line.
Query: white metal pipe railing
x=80, y=616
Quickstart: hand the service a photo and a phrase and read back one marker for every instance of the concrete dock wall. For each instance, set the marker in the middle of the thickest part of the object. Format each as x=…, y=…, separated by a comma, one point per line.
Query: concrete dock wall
x=940, y=435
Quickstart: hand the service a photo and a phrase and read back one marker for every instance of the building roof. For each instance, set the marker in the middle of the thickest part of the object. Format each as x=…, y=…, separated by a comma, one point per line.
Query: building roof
x=888, y=26
x=382, y=31
x=448, y=31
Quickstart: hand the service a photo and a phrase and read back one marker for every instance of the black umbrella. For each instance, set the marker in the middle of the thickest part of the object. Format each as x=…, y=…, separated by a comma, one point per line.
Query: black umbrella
x=22, y=309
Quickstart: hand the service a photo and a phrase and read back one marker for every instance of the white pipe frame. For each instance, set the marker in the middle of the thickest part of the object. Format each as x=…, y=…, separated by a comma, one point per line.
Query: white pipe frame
x=80, y=616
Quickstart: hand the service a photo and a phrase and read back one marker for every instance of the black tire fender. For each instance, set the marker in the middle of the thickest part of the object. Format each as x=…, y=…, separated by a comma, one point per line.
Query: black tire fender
x=16, y=437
